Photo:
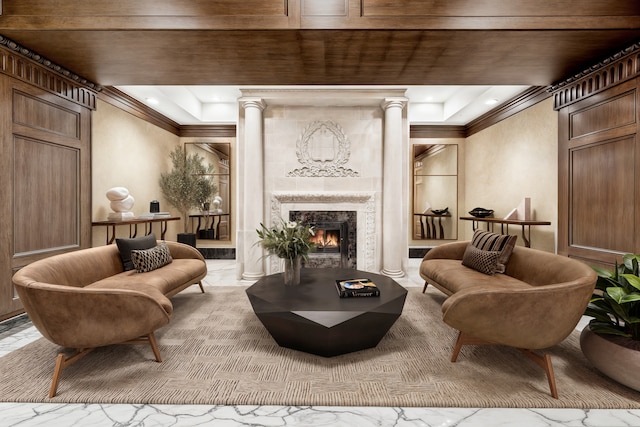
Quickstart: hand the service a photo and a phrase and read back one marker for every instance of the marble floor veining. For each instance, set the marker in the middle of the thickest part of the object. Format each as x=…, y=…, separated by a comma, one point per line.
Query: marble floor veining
x=19, y=332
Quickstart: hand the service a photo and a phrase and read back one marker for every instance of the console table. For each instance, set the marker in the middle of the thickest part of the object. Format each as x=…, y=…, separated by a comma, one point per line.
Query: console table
x=431, y=228
x=133, y=226
x=526, y=236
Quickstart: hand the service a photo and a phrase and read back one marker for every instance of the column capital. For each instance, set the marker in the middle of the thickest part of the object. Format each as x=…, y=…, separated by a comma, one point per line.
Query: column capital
x=252, y=102
x=395, y=102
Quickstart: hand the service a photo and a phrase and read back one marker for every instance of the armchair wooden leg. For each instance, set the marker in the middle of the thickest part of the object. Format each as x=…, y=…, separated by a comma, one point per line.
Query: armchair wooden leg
x=466, y=339
x=148, y=339
x=544, y=362
x=201, y=287
x=424, y=289
x=61, y=363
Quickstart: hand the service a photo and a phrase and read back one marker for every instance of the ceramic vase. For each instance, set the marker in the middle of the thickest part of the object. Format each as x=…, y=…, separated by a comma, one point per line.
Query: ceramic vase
x=618, y=362
x=292, y=271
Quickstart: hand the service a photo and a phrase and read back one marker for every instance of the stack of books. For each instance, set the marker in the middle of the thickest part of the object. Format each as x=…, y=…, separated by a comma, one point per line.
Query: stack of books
x=357, y=288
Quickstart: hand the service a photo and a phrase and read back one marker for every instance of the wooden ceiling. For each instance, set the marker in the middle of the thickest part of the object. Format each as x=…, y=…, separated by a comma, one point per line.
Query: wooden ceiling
x=323, y=42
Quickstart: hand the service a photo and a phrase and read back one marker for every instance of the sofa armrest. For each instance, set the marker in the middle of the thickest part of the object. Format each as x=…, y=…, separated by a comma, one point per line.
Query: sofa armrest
x=182, y=251
x=533, y=318
x=90, y=317
x=452, y=250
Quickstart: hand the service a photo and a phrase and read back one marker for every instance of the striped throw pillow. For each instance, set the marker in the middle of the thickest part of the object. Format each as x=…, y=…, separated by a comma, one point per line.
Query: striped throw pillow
x=503, y=243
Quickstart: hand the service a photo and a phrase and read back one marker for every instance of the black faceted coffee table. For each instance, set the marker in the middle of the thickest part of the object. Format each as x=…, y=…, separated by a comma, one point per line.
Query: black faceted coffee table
x=311, y=317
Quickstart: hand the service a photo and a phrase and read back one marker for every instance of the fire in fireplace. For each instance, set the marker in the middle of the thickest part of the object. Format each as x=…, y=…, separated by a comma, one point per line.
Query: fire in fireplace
x=327, y=240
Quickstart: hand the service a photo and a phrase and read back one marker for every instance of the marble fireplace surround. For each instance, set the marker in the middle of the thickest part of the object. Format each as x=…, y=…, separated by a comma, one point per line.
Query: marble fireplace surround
x=363, y=203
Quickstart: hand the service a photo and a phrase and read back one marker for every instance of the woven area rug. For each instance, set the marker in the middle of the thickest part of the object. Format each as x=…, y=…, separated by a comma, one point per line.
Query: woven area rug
x=215, y=351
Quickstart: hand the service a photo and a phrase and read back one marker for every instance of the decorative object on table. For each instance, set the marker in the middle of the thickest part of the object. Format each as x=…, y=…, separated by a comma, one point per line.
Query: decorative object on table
x=481, y=212
x=440, y=211
x=217, y=204
x=611, y=341
x=187, y=187
x=357, y=288
x=290, y=241
x=121, y=203
x=522, y=212
x=154, y=206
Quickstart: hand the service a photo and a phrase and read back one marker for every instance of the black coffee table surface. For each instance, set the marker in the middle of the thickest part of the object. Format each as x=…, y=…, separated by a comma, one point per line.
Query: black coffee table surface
x=311, y=317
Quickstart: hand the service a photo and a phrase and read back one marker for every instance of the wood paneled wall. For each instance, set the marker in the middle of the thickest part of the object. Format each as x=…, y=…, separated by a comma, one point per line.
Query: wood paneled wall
x=599, y=176
x=46, y=179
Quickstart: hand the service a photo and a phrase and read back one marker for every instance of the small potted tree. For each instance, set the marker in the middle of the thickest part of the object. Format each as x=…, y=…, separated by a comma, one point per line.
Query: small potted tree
x=186, y=187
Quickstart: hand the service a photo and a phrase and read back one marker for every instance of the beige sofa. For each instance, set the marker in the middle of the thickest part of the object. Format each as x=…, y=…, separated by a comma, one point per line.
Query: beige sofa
x=535, y=304
x=84, y=299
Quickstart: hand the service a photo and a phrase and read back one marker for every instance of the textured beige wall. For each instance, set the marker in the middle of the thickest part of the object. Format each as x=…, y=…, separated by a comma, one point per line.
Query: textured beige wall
x=128, y=152
x=513, y=159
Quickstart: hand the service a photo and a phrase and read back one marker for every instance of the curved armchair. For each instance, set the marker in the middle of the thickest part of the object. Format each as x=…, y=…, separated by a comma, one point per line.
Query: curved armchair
x=536, y=304
x=83, y=299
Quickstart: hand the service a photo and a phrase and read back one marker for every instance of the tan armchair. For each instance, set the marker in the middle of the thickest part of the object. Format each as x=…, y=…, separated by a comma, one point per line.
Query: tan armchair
x=83, y=299
x=536, y=304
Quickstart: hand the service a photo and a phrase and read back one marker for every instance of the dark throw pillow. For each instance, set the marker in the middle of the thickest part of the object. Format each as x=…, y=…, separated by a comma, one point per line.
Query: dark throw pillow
x=151, y=259
x=502, y=243
x=483, y=261
x=125, y=246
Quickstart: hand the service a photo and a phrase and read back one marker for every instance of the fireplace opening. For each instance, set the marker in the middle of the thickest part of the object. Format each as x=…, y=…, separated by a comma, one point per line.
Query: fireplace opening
x=335, y=238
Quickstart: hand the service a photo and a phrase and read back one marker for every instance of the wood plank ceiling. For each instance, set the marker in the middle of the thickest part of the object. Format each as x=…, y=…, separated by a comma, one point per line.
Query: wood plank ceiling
x=323, y=42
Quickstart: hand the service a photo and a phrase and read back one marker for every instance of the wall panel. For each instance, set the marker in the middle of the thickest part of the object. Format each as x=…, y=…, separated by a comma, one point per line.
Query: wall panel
x=599, y=176
x=46, y=176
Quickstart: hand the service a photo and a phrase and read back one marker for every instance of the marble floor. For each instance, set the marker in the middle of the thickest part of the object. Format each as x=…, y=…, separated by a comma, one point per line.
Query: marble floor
x=19, y=332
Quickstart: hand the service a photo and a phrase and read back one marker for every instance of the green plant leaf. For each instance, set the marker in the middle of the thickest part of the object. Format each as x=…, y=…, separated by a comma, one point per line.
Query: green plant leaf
x=604, y=328
x=633, y=280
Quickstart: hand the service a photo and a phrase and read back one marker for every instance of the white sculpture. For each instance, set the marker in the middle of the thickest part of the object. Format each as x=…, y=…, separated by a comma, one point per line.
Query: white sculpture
x=217, y=203
x=121, y=203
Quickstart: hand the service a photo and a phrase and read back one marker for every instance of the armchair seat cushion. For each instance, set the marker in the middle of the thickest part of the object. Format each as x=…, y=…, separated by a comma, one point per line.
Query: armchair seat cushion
x=450, y=276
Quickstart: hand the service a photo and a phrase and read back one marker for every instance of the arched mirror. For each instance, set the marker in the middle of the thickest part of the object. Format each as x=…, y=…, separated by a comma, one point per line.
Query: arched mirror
x=214, y=220
x=435, y=192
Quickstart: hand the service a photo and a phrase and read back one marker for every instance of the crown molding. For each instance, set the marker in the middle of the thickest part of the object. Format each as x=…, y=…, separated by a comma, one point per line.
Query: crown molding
x=513, y=106
x=619, y=67
x=200, y=131
x=437, y=131
x=505, y=110
x=127, y=103
x=21, y=63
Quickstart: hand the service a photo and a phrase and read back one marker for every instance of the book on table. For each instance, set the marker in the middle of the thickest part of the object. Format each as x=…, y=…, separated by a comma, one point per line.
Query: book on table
x=356, y=288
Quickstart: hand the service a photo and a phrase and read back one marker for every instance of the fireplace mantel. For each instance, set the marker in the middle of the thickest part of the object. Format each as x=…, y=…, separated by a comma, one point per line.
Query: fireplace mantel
x=364, y=203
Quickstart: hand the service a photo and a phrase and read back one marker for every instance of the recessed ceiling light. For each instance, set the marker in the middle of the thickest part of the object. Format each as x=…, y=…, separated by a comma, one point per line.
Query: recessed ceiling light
x=152, y=101
x=492, y=101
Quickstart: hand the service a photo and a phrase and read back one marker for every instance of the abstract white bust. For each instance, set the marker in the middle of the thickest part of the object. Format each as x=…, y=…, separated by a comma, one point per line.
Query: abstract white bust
x=121, y=203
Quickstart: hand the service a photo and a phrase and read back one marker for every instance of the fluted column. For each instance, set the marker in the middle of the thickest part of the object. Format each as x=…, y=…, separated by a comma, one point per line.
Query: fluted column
x=393, y=232
x=253, y=187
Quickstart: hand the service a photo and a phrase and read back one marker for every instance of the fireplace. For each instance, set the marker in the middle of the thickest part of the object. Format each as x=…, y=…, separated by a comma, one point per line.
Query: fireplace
x=335, y=237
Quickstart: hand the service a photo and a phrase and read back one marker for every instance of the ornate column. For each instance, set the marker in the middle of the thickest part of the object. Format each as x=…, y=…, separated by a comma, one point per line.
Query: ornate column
x=253, y=187
x=393, y=231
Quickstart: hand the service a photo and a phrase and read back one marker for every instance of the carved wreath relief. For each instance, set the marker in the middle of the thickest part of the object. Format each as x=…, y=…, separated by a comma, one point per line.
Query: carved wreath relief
x=323, y=149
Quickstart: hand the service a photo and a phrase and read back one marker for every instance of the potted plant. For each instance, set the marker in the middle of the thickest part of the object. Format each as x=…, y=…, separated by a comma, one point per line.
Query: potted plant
x=611, y=341
x=291, y=242
x=187, y=187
